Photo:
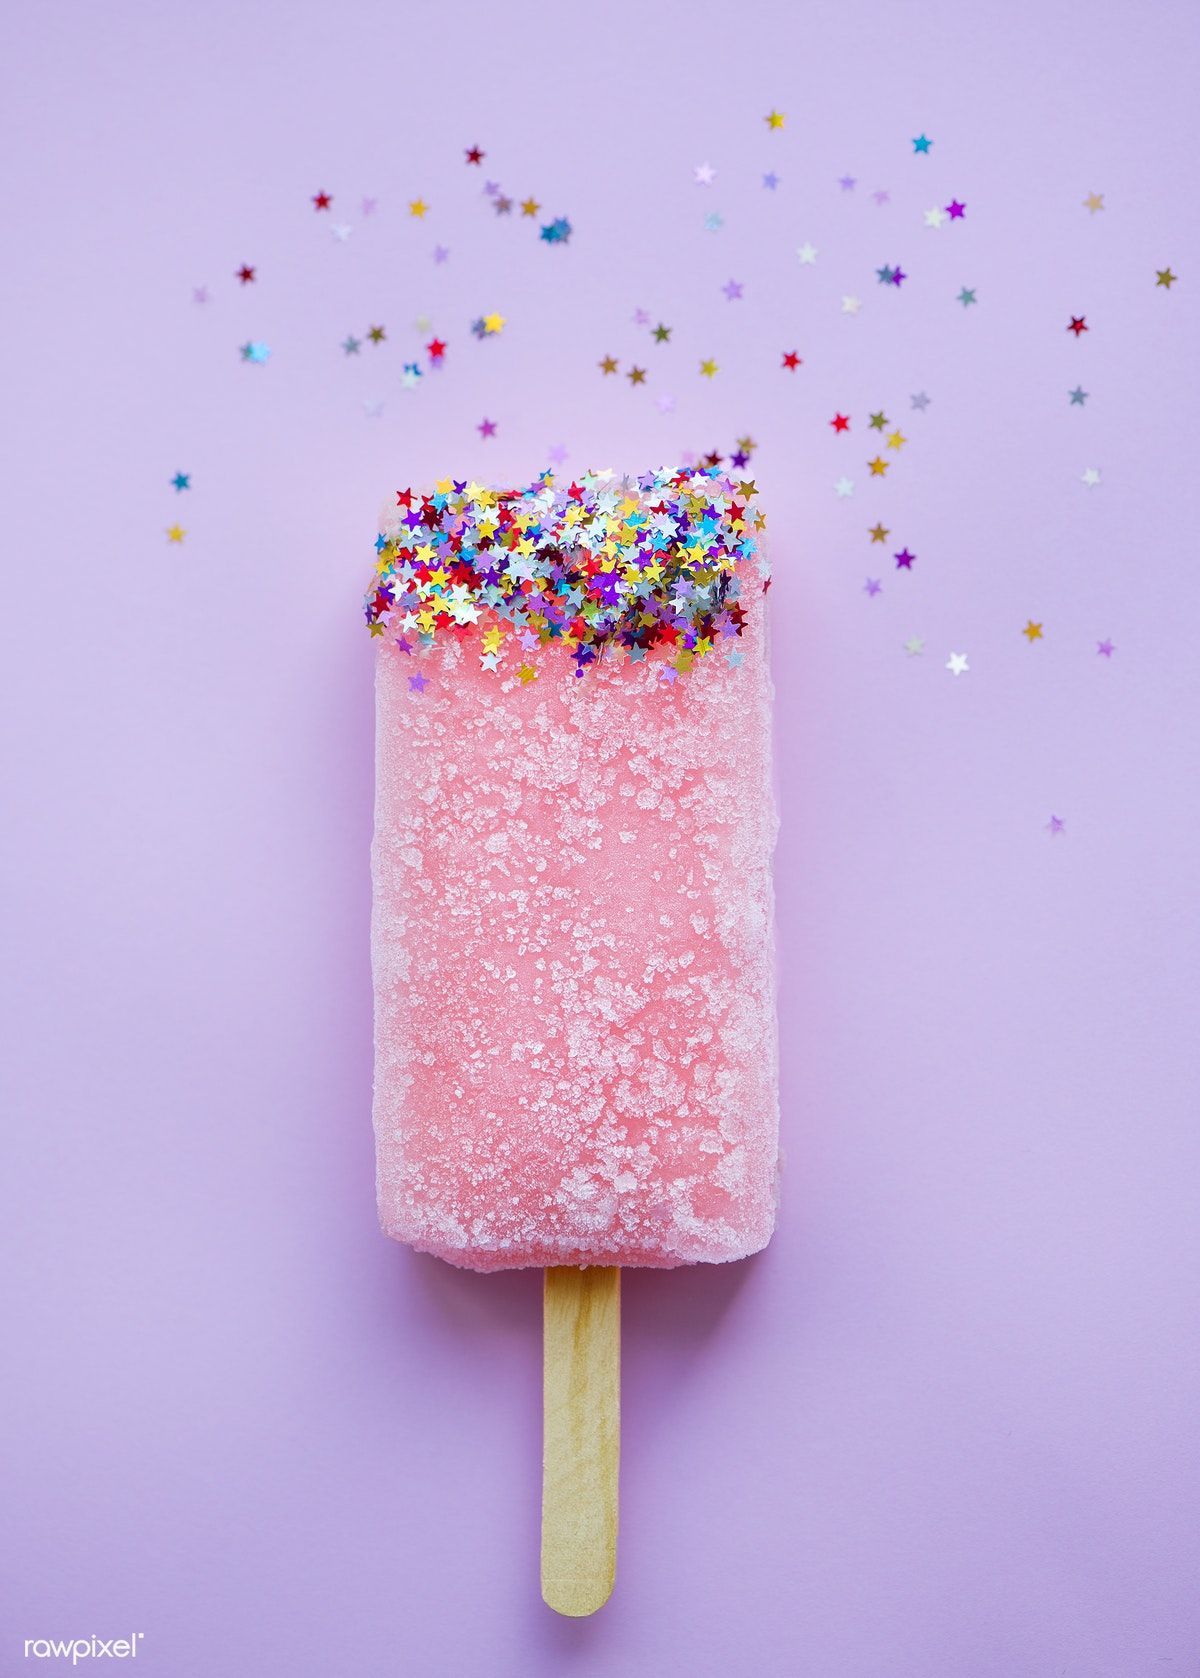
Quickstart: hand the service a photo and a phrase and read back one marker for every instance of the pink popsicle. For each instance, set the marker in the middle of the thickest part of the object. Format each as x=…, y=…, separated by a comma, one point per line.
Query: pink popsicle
x=572, y=926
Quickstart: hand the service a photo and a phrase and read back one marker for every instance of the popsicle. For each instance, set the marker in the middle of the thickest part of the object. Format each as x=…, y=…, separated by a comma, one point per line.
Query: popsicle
x=572, y=947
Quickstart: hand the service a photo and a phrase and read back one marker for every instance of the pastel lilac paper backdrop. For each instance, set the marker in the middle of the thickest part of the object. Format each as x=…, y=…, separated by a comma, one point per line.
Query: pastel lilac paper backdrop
x=945, y=1424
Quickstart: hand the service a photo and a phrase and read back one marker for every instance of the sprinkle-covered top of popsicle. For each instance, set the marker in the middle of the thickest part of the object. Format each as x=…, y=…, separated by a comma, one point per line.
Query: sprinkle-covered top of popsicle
x=653, y=567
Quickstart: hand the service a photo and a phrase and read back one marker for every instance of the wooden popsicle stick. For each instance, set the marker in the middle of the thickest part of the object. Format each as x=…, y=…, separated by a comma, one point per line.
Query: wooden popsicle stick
x=581, y=1440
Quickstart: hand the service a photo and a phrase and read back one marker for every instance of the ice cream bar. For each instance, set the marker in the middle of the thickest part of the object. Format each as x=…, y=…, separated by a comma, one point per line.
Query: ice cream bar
x=575, y=1057
x=575, y=1042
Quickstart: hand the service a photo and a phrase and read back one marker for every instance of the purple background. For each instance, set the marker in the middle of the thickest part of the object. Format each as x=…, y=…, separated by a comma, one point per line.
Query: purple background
x=945, y=1424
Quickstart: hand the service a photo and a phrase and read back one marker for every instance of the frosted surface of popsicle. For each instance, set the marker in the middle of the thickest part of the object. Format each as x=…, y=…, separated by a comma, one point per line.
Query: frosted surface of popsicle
x=572, y=917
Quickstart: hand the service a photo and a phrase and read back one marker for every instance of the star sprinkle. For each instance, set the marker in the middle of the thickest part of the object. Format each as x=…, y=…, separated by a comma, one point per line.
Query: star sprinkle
x=376, y=334
x=840, y=422
x=878, y=533
x=181, y=480
x=321, y=201
x=713, y=222
x=807, y=254
x=770, y=180
x=914, y=646
x=1094, y=201
x=733, y=290
x=709, y=369
x=879, y=421
x=904, y=560
x=486, y=428
x=922, y=144
x=885, y=275
x=636, y=375
x=245, y=274
x=1078, y=396
x=474, y=154
x=441, y=253
x=1032, y=632
x=607, y=364
x=957, y=664
x=878, y=467
x=704, y=174
x=774, y=119
x=844, y=487
x=955, y=210
x=873, y=586
x=791, y=360
x=1078, y=325
x=200, y=294
x=1105, y=649
x=418, y=207
x=175, y=533
x=934, y=218
x=557, y=232
x=418, y=683
x=966, y=297
x=655, y=566
x=851, y=305
x=255, y=351
x=847, y=183
x=920, y=401
x=530, y=208
x=1165, y=278
x=1091, y=477
x=1055, y=826
x=351, y=345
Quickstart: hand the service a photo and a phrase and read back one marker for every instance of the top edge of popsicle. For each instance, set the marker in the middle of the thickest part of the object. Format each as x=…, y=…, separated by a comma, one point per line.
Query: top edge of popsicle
x=652, y=568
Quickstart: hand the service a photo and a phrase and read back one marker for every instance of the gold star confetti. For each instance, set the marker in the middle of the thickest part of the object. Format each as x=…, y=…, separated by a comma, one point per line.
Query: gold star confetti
x=608, y=364
x=418, y=207
x=1032, y=631
x=1094, y=201
x=877, y=533
x=708, y=368
x=775, y=119
x=175, y=533
x=1165, y=278
x=878, y=466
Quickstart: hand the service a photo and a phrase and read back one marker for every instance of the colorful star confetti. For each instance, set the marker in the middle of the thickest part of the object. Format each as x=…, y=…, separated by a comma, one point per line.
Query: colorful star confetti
x=657, y=564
